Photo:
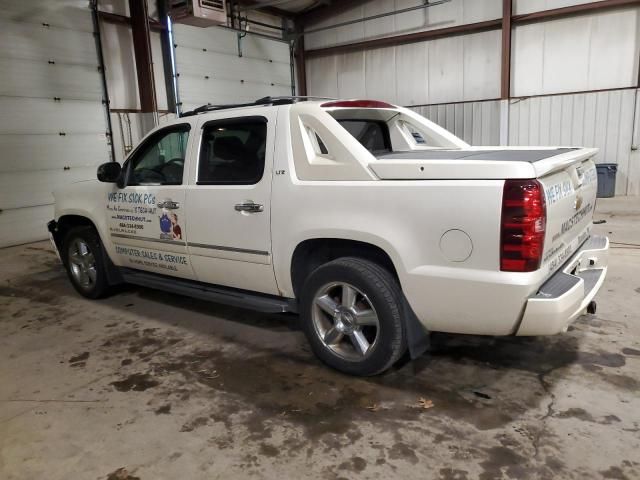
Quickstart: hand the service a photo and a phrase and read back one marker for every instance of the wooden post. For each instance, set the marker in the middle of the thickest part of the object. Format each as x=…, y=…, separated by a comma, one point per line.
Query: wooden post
x=301, y=67
x=505, y=76
x=142, y=51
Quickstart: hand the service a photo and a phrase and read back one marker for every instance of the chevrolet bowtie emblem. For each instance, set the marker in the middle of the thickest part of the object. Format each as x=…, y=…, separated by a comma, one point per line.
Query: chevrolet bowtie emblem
x=578, y=202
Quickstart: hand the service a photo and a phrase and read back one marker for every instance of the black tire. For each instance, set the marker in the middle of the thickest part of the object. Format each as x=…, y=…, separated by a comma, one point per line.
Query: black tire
x=99, y=286
x=385, y=296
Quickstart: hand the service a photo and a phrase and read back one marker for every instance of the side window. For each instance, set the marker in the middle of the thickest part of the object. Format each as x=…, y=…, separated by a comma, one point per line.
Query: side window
x=160, y=161
x=372, y=135
x=417, y=136
x=316, y=142
x=233, y=151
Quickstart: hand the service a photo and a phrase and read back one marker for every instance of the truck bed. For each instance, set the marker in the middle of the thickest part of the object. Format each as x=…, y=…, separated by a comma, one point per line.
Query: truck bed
x=476, y=163
x=530, y=156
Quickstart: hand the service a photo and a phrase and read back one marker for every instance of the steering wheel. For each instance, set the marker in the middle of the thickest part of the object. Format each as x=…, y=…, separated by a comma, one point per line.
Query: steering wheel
x=147, y=175
x=172, y=170
x=175, y=161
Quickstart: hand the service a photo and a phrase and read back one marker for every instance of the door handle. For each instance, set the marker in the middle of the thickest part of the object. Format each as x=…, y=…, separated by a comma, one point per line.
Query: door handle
x=249, y=207
x=168, y=204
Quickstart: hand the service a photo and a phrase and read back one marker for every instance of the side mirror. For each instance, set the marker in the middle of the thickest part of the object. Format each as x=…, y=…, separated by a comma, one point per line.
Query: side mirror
x=109, y=172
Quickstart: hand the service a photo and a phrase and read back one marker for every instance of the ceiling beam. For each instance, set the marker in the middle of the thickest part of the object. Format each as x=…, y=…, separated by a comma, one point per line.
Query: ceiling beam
x=278, y=12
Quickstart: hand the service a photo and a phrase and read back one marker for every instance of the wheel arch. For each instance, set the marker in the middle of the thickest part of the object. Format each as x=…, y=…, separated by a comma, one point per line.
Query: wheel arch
x=310, y=253
x=66, y=223
x=69, y=221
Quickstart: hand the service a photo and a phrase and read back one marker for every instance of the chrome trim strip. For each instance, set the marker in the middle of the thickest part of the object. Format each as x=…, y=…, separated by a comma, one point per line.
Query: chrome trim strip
x=189, y=244
x=148, y=239
x=228, y=249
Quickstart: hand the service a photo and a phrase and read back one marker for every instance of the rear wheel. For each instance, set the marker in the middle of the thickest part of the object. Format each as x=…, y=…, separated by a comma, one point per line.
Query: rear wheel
x=351, y=313
x=82, y=255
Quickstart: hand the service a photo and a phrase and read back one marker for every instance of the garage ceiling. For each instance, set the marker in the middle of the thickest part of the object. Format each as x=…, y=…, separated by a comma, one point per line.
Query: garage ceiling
x=291, y=6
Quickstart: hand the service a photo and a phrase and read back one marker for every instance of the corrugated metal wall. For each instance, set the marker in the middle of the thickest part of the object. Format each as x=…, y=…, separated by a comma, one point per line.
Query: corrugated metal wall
x=52, y=120
x=445, y=70
x=455, y=81
x=211, y=70
x=588, y=52
x=477, y=123
x=603, y=120
x=456, y=12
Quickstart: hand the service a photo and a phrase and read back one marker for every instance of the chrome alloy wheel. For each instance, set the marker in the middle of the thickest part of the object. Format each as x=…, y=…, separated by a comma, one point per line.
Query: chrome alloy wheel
x=345, y=320
x=82, y=264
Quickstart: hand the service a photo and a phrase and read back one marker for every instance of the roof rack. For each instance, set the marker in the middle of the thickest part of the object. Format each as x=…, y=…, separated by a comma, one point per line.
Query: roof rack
x=265, y=101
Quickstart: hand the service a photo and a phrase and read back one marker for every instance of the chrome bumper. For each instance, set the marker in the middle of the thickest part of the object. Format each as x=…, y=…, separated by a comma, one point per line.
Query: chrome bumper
x=566, y=295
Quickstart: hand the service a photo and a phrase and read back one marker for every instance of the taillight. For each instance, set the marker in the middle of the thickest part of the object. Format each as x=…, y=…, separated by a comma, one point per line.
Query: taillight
x=523, y=224
x=357, y=104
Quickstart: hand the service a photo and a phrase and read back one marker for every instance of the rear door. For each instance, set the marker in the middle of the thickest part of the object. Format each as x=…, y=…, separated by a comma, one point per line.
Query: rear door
x=228, y=203
x=146, y=217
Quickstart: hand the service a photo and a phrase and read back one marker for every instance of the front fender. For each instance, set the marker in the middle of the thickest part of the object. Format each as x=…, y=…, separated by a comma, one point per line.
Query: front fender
x=88, y=200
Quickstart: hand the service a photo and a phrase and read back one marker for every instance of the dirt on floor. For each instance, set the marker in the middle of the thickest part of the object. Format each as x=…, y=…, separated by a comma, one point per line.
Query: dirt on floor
x=145, y=385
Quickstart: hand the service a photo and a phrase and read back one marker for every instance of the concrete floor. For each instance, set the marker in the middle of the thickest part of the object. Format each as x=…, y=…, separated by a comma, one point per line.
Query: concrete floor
x=145, y=385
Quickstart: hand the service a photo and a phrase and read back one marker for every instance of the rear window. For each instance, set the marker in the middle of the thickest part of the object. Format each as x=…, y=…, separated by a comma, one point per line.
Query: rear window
x=372, y=135
x=233, y=151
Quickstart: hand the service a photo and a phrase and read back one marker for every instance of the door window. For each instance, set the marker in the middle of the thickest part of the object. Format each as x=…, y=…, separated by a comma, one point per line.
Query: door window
x=233, y=151
x=160, y=160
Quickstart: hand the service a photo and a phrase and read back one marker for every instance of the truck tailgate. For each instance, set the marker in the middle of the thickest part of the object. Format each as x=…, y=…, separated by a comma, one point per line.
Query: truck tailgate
x=570, y=194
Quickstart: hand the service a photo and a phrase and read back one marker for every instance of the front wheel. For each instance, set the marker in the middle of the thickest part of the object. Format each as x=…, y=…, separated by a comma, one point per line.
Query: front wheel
x=82, y=257
x=351, y=312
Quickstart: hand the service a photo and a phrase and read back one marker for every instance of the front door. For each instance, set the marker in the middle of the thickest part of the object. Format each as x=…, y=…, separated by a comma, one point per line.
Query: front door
x=228, y=204
x=146, y=217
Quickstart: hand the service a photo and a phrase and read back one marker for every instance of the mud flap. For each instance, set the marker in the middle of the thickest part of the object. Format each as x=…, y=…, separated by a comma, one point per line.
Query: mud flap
x=114, y=275
x=418, y=337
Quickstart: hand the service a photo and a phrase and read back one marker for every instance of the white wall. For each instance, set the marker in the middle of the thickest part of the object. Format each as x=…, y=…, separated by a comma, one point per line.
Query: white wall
x=456, y=12
x=129, y=129
x=477, y=123
x=602, y=119
x=462, y=68
x=52, y=120
x=210, y=69
x=445, y=79
x=529, y=6
x=588, y=52
x=120, y=67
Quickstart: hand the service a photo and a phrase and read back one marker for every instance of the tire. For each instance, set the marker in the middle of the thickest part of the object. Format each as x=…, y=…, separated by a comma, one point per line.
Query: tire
x=83, y=258
x=331, y=324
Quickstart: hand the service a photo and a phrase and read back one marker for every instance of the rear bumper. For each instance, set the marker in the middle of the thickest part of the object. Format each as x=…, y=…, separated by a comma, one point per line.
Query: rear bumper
x=566, y=295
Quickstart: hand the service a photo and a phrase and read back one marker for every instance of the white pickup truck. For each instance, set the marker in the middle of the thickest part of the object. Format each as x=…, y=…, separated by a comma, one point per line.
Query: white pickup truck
x=373, y=223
